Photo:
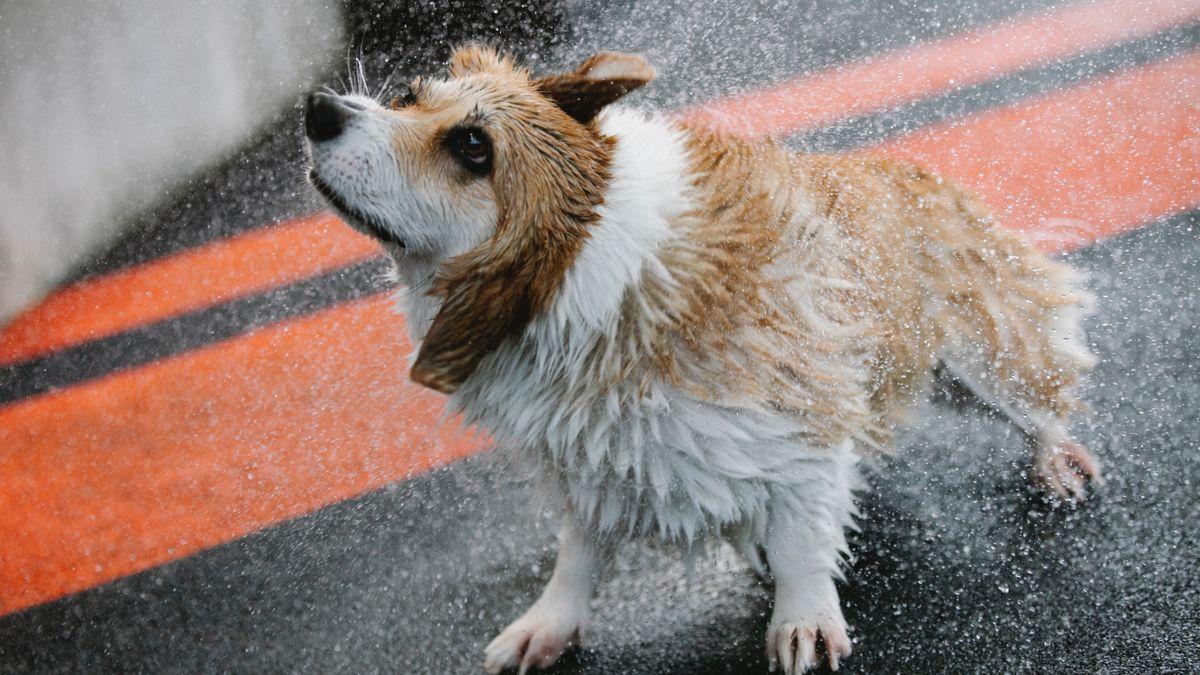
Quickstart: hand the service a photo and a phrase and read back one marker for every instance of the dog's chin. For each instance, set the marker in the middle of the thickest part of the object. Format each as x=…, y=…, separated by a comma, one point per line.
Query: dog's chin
x=357, y=219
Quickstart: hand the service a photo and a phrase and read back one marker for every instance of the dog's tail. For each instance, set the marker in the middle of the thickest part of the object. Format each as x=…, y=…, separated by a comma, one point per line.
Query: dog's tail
x=1015, y=330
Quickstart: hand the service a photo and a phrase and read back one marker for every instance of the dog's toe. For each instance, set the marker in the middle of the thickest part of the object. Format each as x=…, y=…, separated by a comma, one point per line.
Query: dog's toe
x=536, y=640
x=792, y=646
x=1066, y=469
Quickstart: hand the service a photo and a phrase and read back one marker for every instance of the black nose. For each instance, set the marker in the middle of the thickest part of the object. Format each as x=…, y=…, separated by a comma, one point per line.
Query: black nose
x=324, y=117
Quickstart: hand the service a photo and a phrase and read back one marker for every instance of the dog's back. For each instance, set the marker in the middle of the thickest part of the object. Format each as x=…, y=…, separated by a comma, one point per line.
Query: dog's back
x=920, y=272
x=946, y=282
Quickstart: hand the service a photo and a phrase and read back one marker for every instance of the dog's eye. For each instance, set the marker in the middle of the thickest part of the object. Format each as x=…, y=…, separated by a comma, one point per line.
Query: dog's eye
x=472, y=149
x=404, y=96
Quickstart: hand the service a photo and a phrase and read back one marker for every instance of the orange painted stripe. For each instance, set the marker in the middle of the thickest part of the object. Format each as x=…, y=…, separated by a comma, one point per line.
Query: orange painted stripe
x=185, y=281
x=126, y=472
x=1084, y=163
x=884, y=81
x=141, y=467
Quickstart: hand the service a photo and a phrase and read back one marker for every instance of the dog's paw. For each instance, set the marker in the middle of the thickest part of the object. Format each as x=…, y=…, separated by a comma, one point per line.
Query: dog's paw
x=535, y=640
x=1065, y=470
x=792, y=641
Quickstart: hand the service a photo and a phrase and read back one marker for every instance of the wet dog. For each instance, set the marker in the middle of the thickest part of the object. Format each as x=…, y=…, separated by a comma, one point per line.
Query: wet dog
x=685, y=335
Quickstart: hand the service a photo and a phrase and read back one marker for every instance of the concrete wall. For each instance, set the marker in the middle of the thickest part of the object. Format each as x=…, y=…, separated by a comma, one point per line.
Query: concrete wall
x=105, y=104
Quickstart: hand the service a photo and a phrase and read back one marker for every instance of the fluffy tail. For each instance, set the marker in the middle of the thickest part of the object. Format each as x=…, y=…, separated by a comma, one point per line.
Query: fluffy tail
x=1015, y=332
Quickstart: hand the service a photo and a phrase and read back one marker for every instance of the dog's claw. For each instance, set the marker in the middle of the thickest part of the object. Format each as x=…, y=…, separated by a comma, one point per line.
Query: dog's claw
x=536, y=640
x=794, y=644
x=1066, y=469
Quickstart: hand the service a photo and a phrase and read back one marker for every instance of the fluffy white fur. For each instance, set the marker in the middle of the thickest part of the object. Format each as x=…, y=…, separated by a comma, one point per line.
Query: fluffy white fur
x=649, y=187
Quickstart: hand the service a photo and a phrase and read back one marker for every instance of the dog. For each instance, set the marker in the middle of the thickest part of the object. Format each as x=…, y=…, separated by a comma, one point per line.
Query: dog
x=684, y=335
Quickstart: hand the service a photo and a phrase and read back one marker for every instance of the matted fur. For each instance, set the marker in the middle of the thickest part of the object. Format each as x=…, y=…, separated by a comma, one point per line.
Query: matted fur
x=683, y=334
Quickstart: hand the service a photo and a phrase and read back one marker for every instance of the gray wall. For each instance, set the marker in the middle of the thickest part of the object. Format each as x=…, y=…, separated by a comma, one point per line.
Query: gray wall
x=105, y=104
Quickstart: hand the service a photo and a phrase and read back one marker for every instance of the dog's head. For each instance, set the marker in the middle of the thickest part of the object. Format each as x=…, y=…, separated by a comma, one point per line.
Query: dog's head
x=489, y=177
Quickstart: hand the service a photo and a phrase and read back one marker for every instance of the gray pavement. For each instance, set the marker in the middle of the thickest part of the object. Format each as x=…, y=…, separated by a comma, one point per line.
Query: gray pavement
x=959, y=566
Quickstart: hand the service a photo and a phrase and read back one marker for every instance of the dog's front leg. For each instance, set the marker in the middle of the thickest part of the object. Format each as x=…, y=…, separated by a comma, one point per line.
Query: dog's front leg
x=804, y=546
x=558, y=619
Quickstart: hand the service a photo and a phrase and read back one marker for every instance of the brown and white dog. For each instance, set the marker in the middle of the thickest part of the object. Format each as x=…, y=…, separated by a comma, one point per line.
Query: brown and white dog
x=685, y=335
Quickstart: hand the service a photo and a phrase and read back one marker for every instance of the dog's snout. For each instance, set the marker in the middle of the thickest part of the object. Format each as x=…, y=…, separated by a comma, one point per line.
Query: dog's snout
x=324, y=117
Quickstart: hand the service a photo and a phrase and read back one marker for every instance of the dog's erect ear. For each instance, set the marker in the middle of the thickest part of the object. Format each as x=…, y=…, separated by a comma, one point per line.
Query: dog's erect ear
x=600, y=80
x=473, y=59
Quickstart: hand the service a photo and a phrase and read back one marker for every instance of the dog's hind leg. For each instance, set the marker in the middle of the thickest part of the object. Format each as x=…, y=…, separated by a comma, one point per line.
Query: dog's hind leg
x=1025, y=357
x=1061, y=465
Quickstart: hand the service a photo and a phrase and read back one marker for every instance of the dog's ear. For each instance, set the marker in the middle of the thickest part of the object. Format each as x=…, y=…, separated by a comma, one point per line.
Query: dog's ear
x=489, y=295
x=483, y=302
x=600, y=80
x=473, y=59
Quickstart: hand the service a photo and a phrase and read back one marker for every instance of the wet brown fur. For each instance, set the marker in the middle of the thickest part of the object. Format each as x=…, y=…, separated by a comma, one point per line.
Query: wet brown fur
x=896, y=263
x=818, y=286
x=549, y=176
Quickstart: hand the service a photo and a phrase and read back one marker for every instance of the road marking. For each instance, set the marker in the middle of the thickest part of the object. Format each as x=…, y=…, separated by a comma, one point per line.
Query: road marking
x=1084, y=163
x=216, y=272
x=891, y=79
x=145, y=466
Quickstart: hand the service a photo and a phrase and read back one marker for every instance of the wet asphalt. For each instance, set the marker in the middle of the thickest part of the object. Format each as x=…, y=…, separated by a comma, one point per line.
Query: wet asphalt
x=959, y=565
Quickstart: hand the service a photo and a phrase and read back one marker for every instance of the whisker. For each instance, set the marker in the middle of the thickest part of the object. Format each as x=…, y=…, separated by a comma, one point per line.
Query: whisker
x=383, y=87
x=362, y=77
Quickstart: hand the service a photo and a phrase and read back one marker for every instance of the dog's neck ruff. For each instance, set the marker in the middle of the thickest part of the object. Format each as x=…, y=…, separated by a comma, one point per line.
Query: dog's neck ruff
x=650, y=186
x=579, y=401
x=588, y=339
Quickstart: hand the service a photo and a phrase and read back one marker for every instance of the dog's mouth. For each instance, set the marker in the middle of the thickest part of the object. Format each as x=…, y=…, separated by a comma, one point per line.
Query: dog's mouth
x=356, y=217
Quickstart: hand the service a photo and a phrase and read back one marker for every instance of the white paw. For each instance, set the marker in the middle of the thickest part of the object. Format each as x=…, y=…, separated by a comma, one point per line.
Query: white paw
x=1066, y=469
x=792, y=641
x=535, y=640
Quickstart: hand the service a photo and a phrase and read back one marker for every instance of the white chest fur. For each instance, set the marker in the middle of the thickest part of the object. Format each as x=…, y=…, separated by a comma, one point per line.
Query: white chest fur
x=629, y=459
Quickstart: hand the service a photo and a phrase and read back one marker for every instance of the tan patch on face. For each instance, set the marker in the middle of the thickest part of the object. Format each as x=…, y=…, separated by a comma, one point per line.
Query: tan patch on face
x=549, y=173
x=476, y=59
